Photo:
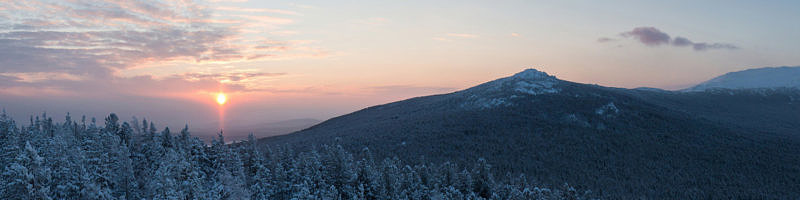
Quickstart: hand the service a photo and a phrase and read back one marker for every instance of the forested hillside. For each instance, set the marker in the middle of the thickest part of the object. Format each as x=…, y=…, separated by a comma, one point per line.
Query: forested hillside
x=766, y=111
x=618, y=143
x=79, y=159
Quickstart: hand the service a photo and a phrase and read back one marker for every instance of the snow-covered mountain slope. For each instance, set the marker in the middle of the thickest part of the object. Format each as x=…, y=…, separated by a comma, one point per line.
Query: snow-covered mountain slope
x=530, y=82
x=768, y=77
x=501, y=92
x=673, y=145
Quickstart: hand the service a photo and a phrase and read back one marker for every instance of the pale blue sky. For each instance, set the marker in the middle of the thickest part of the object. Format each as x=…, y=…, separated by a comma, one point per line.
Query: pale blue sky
x=558, y=36
x=318, y=59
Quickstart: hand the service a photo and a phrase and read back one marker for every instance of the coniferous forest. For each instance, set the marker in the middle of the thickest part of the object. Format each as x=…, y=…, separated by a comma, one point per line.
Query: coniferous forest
x=81, y=159
x=396, y=100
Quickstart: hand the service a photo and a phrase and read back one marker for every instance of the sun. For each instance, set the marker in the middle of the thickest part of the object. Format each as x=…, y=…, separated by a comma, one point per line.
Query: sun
x=221, y=98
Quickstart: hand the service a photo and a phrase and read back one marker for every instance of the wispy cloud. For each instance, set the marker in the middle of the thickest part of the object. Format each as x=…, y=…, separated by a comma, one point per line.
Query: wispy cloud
x=46, y=44
x=449, y=37
x=462, y=35
x=255, y=10
x=227, y=76
x=87, y=37
x=700, y=46
x=144, y=85
x=263, y=19
x=515, y=35
x=651, y=36
x=409, y=89
x=606, y=39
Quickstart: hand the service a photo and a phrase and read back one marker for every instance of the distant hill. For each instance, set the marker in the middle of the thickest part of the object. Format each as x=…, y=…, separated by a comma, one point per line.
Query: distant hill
x=767, y=77
x=618, y=143
x=265, y=129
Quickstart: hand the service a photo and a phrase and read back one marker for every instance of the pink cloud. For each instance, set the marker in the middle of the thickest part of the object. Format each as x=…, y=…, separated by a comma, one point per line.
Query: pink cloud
x=105, y=37
x=83, y=46
x=256, y=10
x=462, y=35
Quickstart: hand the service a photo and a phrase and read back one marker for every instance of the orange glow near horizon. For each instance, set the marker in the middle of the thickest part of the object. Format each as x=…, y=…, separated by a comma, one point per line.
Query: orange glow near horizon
x=221, y=100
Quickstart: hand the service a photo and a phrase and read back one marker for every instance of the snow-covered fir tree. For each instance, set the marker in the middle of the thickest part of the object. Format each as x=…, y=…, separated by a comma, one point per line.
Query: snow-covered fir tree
x=132, y=160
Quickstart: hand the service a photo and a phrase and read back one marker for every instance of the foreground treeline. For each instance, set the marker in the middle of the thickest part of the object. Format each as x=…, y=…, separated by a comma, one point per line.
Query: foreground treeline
x=77, y=159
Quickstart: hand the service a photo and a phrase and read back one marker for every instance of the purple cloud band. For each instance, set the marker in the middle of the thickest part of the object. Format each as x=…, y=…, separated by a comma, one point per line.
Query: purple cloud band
x=651, y=36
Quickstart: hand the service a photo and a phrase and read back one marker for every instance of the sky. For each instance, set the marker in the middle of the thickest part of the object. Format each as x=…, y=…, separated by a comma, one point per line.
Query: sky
x=278, y=60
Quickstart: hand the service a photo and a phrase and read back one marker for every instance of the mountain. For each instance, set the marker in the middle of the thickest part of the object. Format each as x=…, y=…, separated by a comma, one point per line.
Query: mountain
x=240, y=131
x=618, y=143
x=760, y=110
x=768, y=77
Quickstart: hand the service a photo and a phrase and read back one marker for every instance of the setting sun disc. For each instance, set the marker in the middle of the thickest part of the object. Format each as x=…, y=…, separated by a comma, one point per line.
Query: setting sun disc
x=221, y=98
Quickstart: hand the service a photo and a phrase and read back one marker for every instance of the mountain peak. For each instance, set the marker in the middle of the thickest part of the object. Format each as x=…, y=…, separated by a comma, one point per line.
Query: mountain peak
x=767, y=77
x=500, y=92
x=532, y=74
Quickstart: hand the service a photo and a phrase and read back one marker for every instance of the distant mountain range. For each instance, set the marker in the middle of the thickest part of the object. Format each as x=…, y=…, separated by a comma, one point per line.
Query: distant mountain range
x=618, y=143
x=768, y=77
x=266, y=129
